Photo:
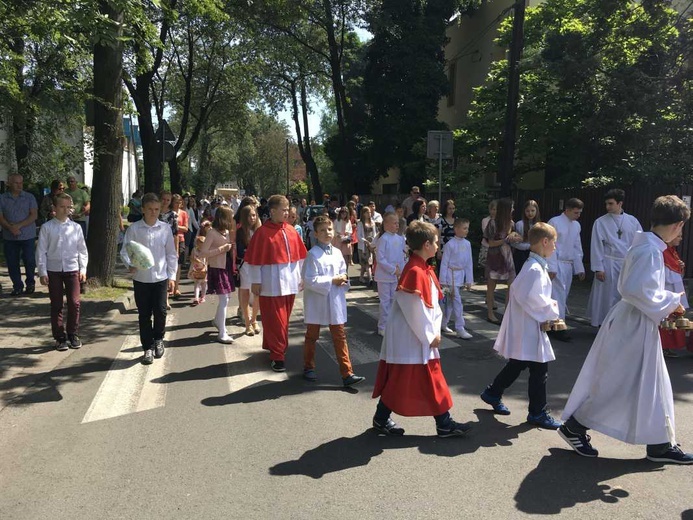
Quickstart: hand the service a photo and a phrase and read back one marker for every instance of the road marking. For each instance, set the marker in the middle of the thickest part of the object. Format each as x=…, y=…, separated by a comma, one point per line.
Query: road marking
x=128, y=386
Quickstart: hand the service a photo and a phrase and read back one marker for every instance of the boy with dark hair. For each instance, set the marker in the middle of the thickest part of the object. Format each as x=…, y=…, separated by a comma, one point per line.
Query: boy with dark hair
x=274, y=257
x=623, y=389
x=410, y=381
x=325, y=283
x=521, y=338
x=152, y=285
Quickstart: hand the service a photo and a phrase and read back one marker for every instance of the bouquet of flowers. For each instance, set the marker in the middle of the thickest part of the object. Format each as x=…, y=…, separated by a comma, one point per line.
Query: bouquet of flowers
x=141, y=257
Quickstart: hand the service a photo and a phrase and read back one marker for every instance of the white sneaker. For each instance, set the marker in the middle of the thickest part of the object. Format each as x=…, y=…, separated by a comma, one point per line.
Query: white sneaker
x=227, y=340
x=463, y=334
x=447, y=330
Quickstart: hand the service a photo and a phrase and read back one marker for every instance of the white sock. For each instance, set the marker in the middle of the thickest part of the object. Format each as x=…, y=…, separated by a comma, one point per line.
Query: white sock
x=220, y=317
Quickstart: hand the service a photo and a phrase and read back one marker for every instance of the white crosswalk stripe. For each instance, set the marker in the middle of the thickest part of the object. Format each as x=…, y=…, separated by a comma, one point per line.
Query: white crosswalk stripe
x=130, y=386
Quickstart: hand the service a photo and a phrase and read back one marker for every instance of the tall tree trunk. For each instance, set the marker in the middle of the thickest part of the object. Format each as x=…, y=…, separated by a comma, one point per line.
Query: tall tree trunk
x=151, y=153
x=108, y=151
x=22, y=114
x=304, y=141
x=174, y=170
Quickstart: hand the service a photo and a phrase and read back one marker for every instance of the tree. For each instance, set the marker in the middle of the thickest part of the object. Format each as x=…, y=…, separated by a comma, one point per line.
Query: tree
x=604, y=95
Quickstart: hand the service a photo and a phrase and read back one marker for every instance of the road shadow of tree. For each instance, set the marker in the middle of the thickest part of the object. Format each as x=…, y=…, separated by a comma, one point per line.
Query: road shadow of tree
x=563, y=479
x=350, y=452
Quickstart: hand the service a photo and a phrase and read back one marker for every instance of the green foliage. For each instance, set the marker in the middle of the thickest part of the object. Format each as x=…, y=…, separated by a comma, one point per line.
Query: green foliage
x=605, y=96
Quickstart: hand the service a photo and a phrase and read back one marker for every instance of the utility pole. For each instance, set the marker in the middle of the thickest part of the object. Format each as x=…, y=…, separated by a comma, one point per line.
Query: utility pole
x=287, y=166
x=507, y=156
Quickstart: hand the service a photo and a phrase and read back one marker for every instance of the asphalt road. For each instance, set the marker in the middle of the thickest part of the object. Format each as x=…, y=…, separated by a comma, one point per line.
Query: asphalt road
x=210, y=432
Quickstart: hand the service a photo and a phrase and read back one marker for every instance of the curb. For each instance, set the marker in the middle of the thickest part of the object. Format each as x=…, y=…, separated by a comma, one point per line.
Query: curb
x=120, y=305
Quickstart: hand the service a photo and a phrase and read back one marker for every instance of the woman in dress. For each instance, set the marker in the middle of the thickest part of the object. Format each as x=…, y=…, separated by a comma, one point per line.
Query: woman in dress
x=342, y=234
x=366, y=234
x=249, y=222
x=499, y=260
x=218, y=248
x=354, y=219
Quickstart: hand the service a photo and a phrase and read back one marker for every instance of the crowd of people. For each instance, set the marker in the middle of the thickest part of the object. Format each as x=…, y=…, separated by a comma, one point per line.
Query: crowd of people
x=418, y=255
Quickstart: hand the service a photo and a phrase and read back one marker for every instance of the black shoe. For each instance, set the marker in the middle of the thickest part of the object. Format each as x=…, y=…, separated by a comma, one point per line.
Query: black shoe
x=278, y=366
x=148, y=358
x=389, y=427
x=673, y=455
x=16, y=292
x=74, y=341
x=30, y=289
x=159, y=348
x=61, y=345
x=580, y=443
x=453, y=429
x=352, y=380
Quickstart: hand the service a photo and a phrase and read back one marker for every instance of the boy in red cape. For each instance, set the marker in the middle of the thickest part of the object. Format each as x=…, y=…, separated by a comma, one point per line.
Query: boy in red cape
x=275, y=257
x=410, y=381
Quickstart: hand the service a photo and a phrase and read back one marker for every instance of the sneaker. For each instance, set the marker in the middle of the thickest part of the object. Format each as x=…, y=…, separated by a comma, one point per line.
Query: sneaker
x=195, y=303
x=74, y=341
x=580, y=443
x=352, y=379
x=310, y=375
x=278, y=366
x=16, y=292
x=225, y=339
x=674, y=454
x=463, y=334
x=61, y=345
x=498, y=406
x=389, y=427
x=30, y=289
x=159, y=348
x=148, y=358
x=447, y=330
x=544, y=420
x=453, y=429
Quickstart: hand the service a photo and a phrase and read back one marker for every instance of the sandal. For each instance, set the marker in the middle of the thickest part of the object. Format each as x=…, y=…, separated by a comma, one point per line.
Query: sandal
x=249, y=331
x=256, y=328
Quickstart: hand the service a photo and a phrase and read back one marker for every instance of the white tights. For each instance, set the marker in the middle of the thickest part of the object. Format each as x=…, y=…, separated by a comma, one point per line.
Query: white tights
x=220, y=318
x=200, y=289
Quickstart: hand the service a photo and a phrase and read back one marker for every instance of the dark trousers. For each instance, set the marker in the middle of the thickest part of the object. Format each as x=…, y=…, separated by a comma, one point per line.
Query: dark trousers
x=652, y=449
x=24, y=249
x=150, y=299
x=68, y=284
x=538, y=374
x=382, y=414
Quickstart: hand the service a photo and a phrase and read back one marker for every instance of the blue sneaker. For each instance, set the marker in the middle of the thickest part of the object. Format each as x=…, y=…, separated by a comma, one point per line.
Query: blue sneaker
x=579, y=442
x=498, y=406
x=673, y=455
x=544, y=420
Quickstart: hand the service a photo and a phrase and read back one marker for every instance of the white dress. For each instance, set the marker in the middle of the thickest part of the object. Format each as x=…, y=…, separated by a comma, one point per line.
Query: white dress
x=623, y=389
x=612, y=235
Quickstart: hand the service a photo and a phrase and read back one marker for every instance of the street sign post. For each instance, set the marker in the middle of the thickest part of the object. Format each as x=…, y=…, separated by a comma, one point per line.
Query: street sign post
x=439, y=146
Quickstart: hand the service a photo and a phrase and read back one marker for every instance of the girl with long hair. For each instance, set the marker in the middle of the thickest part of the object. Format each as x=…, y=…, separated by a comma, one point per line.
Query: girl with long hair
x=249, y=223
x=530, y=216
x=366, y=233
x=217, y=248
x=418, y=211
x=499, y=260
x=342, y=234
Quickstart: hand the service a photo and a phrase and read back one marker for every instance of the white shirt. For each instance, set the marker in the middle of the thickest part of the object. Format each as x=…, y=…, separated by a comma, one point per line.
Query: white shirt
x=159, y=240
x=457, y=266
x=377, y=217
x=391, y=256
x=520, y=230
x=568, y=245
x=606, y=242
x=324, y=303
x=61, y=248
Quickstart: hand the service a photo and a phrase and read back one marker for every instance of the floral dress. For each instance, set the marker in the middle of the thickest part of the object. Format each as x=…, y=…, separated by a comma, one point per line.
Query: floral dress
x=499, y=259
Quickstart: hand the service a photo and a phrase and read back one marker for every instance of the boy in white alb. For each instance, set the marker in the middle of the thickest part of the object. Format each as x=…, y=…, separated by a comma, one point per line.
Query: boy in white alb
x=567, y=261
x=61, y=258
x=391, y=258
x=623, y=389
x=325, y=283
x=456, y=273
x=521, y=339
x=612, y=235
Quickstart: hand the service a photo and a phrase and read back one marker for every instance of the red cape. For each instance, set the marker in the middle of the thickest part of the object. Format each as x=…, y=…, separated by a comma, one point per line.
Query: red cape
x=268, y=247
x=416, y=278
x=672, y=260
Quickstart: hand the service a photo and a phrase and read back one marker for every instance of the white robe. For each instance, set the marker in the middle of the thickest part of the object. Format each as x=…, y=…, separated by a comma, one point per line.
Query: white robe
x=530, y=305
x=607, y=252
x=566, y=261
x=391, y=257
x=674, y=283
x=456, y=269
x=324, y=303
x=411, y=328
x=623, y=389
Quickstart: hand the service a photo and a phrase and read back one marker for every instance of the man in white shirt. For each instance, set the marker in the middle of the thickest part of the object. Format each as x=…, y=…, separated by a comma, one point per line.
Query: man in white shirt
x=377, y=217
x=61, y=258
x=612, y=236
x=566, y=262
x=152, y=285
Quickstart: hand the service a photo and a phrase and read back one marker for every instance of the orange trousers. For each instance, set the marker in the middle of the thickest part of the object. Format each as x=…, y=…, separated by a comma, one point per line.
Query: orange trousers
x=341, y=349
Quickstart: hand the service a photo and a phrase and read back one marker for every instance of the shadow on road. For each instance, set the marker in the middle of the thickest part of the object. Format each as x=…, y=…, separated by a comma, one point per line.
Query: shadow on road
x=350, y=452
x=564, y=479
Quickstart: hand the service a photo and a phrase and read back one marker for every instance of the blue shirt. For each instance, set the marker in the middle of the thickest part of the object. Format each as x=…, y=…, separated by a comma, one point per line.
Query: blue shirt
x=540, y=260
x=15, y=209
x=325, y=247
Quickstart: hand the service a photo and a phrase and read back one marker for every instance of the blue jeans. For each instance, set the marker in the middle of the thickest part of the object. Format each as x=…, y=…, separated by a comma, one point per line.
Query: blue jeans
x=14, y=249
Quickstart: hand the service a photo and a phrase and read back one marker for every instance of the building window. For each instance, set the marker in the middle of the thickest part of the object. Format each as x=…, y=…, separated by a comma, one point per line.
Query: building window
x=452, y=82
